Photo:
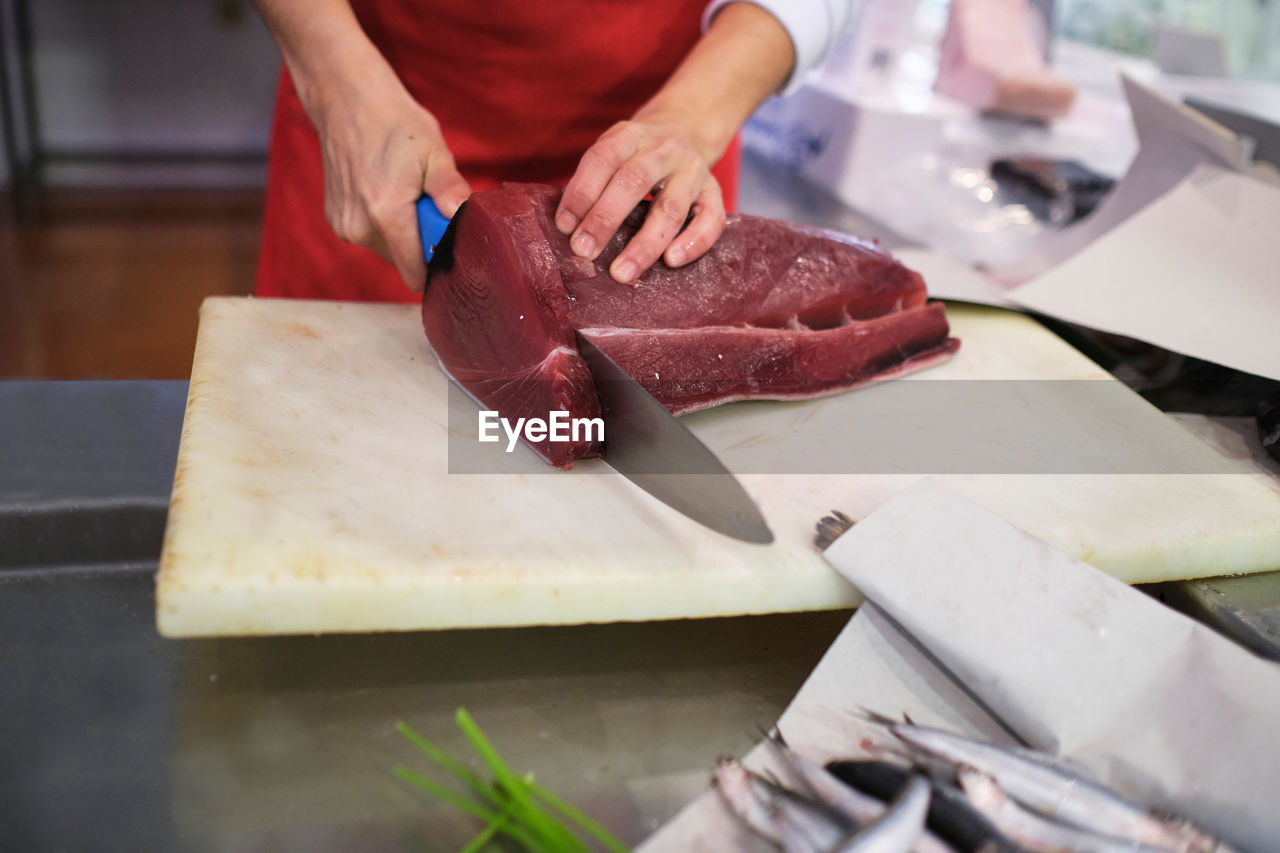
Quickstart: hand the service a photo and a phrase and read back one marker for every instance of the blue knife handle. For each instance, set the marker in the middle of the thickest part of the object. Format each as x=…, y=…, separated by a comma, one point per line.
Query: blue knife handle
x=431, y=225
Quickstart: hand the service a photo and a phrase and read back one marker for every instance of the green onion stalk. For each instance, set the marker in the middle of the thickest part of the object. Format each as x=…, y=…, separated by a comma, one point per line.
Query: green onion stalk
x=510, y=805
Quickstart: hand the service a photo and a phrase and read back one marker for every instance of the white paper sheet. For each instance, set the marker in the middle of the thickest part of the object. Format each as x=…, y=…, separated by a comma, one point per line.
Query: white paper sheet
x=1142, y=698
x=1197, y=272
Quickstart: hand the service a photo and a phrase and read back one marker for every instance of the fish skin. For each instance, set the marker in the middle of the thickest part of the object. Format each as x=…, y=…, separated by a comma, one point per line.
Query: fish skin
x=1030, y=830
x=901, y=826
x=1055, y=791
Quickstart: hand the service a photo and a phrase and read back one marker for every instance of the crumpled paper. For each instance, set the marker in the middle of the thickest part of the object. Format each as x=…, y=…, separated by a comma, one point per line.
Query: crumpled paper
x=1070, y=660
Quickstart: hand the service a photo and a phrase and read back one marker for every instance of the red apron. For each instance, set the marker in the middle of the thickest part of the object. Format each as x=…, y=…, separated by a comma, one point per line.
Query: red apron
x=521, y=90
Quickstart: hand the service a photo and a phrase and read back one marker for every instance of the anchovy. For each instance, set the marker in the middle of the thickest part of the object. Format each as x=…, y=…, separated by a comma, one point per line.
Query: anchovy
x=736, y=786
x=858, y=809
x=1055, y=791
x=787, y=819
x=901, y=826
x=951, y=817
x=1030, y=830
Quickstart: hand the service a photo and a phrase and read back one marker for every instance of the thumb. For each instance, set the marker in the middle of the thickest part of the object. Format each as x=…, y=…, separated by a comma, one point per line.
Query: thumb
x=445, y=184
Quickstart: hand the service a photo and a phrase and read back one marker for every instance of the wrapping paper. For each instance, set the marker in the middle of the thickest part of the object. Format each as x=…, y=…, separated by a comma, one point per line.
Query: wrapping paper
x=1182, y=254
x=1194, y=272
x=1173, y=140
x=1050, y=649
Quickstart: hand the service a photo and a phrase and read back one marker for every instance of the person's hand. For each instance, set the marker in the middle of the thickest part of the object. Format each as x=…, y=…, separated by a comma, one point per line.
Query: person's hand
x=631, y=160
x=669, y=145
x=380, y=155
x=382, y=150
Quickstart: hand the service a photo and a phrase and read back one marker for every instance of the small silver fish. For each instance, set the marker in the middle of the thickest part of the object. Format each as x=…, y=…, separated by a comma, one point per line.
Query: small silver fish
x=1055, y=790
x=1031, y=831
x=858, y=809
x=789, y=820
x=736, y=787
x=901, y=826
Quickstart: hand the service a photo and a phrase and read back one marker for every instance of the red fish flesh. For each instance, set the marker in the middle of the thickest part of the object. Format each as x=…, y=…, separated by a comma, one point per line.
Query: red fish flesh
x=773, y=311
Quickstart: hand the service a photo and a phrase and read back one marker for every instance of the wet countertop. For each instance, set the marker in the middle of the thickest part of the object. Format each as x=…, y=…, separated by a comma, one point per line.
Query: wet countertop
x=111, y=736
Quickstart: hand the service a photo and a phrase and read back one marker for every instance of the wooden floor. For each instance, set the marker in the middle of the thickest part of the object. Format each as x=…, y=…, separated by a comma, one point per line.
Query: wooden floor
x=107, y=285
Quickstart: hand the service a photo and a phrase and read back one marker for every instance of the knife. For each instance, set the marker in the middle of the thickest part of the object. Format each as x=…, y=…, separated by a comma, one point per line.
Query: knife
x=646, y=443
x=431, y=226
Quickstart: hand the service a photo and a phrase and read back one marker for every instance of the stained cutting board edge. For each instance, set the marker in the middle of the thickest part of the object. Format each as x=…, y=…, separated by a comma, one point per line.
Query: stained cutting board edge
x=404, y=602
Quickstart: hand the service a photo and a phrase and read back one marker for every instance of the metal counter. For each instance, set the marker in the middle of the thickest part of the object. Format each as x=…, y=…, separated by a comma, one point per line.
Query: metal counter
x=114, y=738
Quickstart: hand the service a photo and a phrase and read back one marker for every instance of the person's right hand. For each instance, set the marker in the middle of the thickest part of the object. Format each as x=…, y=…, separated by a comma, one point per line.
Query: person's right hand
x=381, y=153
x=382, y=150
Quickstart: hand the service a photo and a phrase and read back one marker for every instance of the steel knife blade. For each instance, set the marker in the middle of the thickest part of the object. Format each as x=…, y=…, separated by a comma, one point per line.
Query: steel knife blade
x=647, y=444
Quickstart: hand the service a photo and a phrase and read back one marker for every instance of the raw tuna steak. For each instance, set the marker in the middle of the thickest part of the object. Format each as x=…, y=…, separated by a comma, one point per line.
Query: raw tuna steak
x=774, y=310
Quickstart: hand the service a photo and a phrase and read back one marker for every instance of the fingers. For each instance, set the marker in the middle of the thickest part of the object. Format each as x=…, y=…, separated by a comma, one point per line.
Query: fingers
x=394, y=216
x=397, y=227
x=629, y=162
x=445, y=184
x=661, y=234
x=626, y=186
x=703, y=231
x=662, y=225
x=595, y=170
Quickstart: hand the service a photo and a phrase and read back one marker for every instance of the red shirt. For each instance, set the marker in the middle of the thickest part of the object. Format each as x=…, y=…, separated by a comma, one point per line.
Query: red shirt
x=521, y=90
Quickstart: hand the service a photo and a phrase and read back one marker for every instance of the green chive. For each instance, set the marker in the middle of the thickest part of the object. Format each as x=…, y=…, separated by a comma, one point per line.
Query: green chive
x=460, y=802
x=579, y=817
x=468, y=778
x=540, y=823
x=522, y=816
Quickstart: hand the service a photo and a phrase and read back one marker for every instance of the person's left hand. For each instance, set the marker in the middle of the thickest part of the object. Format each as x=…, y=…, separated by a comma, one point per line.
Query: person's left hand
x=631, y=160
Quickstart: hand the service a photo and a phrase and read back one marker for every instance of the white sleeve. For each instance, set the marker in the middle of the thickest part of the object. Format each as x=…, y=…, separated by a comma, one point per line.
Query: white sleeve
x=814, y=26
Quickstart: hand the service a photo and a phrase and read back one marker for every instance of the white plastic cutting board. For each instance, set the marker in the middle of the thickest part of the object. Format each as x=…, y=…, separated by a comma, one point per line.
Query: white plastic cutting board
x=312, y=493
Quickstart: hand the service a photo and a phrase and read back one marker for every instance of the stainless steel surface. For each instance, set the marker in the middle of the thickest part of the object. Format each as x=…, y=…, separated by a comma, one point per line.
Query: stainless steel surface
x=646, y=444
x=1246, y=608
x=86, y=469
x=113, y=738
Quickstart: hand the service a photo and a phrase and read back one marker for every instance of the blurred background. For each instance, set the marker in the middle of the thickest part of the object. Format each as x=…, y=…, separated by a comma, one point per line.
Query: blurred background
x=135, y=135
